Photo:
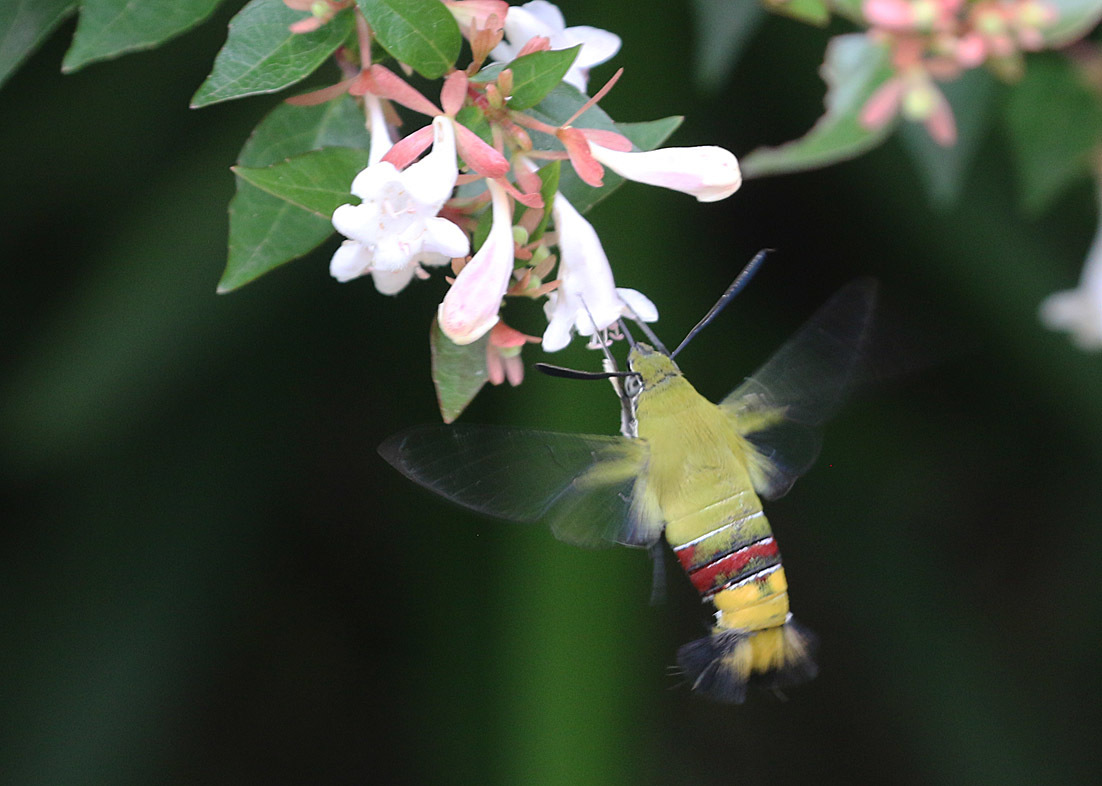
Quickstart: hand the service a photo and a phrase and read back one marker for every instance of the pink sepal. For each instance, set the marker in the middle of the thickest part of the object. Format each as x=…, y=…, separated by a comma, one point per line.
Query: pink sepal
x=588, y=168
x=453, y=92
x=409, y=148
x=384, y=83
x=532, y=199
x=315, y=97
x=609, y=139
x=537, y=43
x=479, y=156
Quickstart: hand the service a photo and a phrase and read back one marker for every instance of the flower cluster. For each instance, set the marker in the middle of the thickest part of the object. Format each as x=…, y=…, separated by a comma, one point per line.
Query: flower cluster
x=936, y=40
x=424, y=196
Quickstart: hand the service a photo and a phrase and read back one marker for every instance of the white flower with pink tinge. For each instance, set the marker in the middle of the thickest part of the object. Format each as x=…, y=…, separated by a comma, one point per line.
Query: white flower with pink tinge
x=707, y=172
x=471, y=306
x=395, y=229
x=587, y=296
x=542, y=19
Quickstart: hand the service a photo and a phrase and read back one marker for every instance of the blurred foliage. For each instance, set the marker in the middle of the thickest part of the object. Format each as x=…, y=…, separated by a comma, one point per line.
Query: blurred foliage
x=210, y=577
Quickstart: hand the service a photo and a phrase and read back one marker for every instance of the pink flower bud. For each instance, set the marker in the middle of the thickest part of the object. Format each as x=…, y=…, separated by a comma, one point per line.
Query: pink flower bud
x=891, y=14
x=470, y=308
x=478, y=14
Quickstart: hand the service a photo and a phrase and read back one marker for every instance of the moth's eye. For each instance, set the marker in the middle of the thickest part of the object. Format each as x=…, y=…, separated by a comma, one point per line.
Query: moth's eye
x=632, y=385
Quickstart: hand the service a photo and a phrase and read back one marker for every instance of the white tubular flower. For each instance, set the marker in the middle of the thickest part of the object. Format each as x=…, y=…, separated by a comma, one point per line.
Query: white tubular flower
x=541, y=18
x=396, y=229
x=585, y=282
x=470, y=308
x=708, y=173
x=1079, y=311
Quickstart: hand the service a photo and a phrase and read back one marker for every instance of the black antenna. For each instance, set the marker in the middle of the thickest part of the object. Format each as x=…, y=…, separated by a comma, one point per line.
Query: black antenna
x=569, y=373
x=741, y=280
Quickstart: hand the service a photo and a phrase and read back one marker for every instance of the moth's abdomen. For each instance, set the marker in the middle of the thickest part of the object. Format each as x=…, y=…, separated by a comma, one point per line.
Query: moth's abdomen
x=737, y=566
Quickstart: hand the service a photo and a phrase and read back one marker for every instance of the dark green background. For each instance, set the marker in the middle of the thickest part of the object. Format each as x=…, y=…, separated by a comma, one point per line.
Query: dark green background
x=208, y=576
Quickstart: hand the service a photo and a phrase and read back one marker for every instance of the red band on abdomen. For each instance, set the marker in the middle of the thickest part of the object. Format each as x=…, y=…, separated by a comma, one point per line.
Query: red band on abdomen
x=735, y=565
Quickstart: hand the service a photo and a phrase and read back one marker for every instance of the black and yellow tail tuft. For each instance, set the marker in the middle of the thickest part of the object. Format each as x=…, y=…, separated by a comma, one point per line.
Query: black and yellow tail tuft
x=722, y=665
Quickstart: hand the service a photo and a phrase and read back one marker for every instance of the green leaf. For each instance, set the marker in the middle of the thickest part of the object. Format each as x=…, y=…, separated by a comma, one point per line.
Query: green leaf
x=850, y=9
x=318, y=181
x=290, y=130
x=262, y=55
x=1055, y=123
x=1076, y=19
x=267, y=231
x=24, y=25
x=943, y=168
x=814, y=12
x=458, y=372
x=420, y=33
x=108, y=28
x=855, y=67
x=651, y=133
x=722, y=29
x=559, y=105
x=536, y=74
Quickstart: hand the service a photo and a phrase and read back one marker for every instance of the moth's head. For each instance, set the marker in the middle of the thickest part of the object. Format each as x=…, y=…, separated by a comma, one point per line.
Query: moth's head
x=652, y=365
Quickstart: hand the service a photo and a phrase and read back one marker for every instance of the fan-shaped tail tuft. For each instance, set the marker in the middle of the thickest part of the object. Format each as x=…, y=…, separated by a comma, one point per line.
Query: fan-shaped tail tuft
x=722, y=665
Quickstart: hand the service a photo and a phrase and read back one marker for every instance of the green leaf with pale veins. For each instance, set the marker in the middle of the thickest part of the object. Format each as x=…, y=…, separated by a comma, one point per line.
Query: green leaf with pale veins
x=854, y=68
x=1075, y=18
x=108, y=28
x=318, y=181
x=536, y=74
x=420, y=33
x=267, y=231
x=24, y=25
x=262, y=55
x=1055, y=124
x=458, y=372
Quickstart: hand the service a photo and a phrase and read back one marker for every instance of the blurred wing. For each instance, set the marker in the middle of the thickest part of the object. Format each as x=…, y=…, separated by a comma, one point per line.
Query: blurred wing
x=780, y=407
x=590, y=489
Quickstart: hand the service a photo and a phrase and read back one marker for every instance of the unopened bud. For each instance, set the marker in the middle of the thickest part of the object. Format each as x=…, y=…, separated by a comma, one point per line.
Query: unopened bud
x=505, y=82
x=918, y=102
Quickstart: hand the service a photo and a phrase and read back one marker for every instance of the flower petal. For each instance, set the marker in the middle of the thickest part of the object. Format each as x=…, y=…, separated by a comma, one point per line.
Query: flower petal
x=391, y=282
x=431, y=180
x=597, y=45
x=357, y=222
x=444, y=237
x=640, y=305
x=548, y=14
x=349, y=261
